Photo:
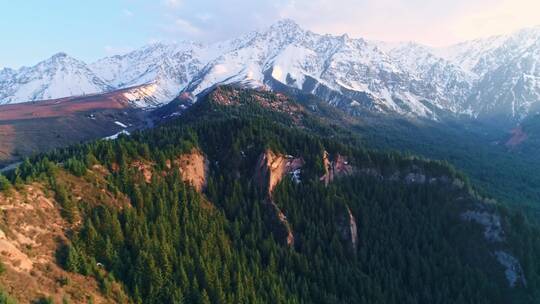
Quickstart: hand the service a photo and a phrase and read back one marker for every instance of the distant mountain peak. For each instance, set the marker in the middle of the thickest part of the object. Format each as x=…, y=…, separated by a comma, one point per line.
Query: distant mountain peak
x=59, y=55
x=286, y=23
x=285, y=27
x=61, y=58
x=58, y=76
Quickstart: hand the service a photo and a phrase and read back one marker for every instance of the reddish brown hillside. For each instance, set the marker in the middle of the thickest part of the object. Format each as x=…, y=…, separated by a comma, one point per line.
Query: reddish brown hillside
x=27, y=128
x=231, y=96
x=32, y=230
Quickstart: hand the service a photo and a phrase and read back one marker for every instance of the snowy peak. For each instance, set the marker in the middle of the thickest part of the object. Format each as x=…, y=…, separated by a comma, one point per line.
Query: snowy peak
x=285, y=29
x=168, y=66
x=348, y=73
x=507, y=70
x=58, y=76
x=482, y=55
x=496, y=76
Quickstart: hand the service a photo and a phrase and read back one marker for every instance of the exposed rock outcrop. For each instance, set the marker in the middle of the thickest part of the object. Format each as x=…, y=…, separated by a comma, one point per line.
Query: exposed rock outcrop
x=335, y=168
x=32, y=231
x=348, y=228
x=231, y=96
x=270, y=170
x=193, y=168
x=145, y=168
x=281, y=227
x=415, y=178
x=491, y=222
x=272, y=167
x=412, y=176
x=493, y=232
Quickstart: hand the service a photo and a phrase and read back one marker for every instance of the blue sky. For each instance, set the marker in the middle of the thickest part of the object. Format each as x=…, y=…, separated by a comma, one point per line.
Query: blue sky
x=33, y=30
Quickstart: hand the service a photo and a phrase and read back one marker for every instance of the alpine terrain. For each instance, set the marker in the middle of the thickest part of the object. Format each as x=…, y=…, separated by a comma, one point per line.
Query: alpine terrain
x=280, y=166
x=250, y=197
x=496, y=77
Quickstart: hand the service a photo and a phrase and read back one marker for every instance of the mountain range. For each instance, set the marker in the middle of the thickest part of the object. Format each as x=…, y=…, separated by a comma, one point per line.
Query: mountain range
x=492, y=78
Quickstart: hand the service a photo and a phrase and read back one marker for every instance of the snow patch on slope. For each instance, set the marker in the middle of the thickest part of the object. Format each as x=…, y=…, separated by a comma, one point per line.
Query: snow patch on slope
x=291, y=65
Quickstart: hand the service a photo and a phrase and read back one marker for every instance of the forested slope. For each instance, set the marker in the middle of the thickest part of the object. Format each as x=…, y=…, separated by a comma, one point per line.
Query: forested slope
x=249, y=198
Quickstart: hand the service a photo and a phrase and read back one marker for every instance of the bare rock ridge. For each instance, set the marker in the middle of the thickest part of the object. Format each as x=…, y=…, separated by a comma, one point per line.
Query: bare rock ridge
x=281, y=227
x=270, y=170
x=485, y=216
x=193, y=169
x=274, y=101
x=337, y=167
x=348, y=229
x=272, y=167
x=346, y=223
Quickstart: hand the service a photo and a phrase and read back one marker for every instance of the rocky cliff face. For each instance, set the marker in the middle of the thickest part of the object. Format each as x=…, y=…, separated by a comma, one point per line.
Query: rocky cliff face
x=334, y=168
x=193, y=168
x=270, y=170
x=346, y=222
x=272, y=167
x=348, y=228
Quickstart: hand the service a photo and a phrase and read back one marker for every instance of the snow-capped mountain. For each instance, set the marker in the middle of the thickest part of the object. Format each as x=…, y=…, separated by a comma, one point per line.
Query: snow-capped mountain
x=353, y=74
x=507, y=70
x=492, y=77
x=168, y=67
x=58, y=76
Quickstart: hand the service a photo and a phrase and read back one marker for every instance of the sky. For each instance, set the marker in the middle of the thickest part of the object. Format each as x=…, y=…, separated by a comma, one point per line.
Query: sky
x=33, y=30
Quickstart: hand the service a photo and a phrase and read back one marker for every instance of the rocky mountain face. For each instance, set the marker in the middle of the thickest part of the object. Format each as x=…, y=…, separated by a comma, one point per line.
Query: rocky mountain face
x=485, y=78
x=58, y=76
x=507, y=82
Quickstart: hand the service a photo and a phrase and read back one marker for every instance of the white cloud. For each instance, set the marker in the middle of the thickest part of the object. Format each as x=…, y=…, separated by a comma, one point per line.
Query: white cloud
x=204, y=17
x=182, y=26
x=431, y=22
x=427, y=21
x=502, y=18
x=127, y=13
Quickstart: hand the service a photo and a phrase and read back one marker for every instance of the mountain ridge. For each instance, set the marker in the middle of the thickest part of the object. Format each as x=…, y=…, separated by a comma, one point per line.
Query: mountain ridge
x=484, y=78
